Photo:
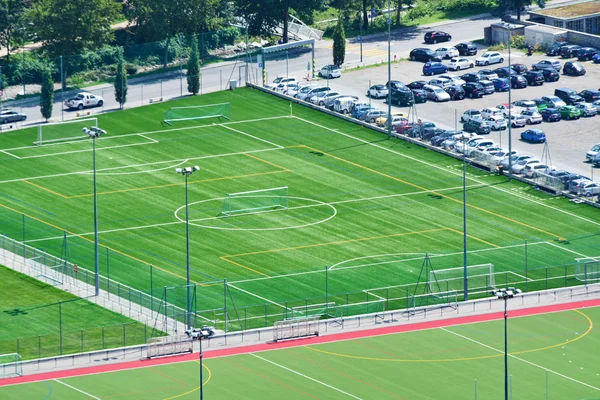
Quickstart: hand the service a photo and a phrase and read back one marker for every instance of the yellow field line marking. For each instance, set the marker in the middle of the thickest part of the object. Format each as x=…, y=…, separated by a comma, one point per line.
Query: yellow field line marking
x=267, y=162
x=195, y=389
x=475, y=238
x=46, y=189
x=441, y=194
x=243, y=266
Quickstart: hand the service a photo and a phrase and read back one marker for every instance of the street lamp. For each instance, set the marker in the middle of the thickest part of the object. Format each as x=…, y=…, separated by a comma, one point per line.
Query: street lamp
x=187, y=171
x=510, y=29
x=94, y=133
x=506, y=294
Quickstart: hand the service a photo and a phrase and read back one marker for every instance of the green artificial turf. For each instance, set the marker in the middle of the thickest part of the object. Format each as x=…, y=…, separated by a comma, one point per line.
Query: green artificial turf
x=363, y=211
x=550, y=356
x=39, y=320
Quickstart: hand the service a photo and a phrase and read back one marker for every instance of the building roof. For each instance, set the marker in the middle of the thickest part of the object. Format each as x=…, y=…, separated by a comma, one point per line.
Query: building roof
x=572, y=11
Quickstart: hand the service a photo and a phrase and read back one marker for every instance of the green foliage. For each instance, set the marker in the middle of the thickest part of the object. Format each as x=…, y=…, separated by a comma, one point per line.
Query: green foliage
x=193, y=68
x=339, y=44
x=423, y=8
x=121, y=80
x=47, y=95
x=12, y=24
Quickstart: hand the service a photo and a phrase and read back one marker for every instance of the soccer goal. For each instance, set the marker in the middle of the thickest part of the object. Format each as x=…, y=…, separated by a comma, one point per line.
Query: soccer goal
x=169, y=346
x=255, y=200
x=433, y=300
x=221, y=110
x=64, y=131
x=296, y=328
x=10, y=365
x=587, y=269
x=480, y=279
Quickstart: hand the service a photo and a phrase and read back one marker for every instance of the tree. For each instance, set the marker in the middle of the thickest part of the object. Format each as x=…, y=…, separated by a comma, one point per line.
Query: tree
x=121, y=80
x=505, y=6
x=398, y=11
x=193, y=68
x=339, y=43
x=12, y=24
x=68, y=27
x=47, y=94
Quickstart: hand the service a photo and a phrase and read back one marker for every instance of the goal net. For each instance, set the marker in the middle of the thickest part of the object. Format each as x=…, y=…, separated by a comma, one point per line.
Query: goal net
x=255, y=200
x=312, y=310
x=373, y=307
x=175, y=114
x=10, y=365
x=296, y=328
x=480, y=278
x=587, y=269
x=169, y=346
x=435, y=300
x=64, y=131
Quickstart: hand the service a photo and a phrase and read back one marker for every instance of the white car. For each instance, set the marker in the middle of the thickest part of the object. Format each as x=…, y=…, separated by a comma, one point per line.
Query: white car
x=532, y=117
x=455, y=79
x=470, y=114
x=497, y=123
x=441, y=82
x=489, y=57
x=518, y=168
x=471, y=143
x=377, y=91
x=589, y=156
x=330, y=71
x=458, y=63
x=590, y=189
x=491, y=112
x=292, y=90
x=307, y=92
x=525, y=105
x=506, y=107
x=517, y=120
x=199, y=333
x=436, y=93
x=447, y=52
x=321, y=98
x=280, y=80
x=533, y=170
x=479, y=145
x=303, y=91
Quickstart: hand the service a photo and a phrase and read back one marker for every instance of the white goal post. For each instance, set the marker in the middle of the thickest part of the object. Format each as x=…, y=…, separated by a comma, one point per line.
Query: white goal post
x=64, y=131
x=587, y=269
x=296, y=328
x=11, y=365
x=174, y=114
x=480, y=278
x=163, y=346
x=255, y=200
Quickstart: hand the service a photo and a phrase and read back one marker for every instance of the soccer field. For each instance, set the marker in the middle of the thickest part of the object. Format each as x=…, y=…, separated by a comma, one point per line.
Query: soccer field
x=552, y=355
x=362, y=214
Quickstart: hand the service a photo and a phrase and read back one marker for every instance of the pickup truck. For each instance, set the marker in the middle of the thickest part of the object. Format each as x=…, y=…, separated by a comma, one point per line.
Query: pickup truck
x=84, y=100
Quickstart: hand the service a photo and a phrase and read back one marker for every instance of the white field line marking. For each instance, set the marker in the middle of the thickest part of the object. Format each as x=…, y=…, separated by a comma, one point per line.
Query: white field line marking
x=565, y=249
x=253, y=137
x=133, y=228
x=147, y=138
x=450, y=172
x=305, y=376
x=514, y=273
x=10, y=154
x=373, y=294
x=519, y=358
x=100, y=170
x=78, y=390
x=121, y=146
x=257, y=296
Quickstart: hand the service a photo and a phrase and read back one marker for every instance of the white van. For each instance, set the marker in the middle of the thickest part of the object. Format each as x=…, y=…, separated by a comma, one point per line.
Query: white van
x=344, y=105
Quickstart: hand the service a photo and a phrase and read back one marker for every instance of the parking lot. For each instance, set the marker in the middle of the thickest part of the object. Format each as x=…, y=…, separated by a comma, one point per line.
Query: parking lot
x=568, y=141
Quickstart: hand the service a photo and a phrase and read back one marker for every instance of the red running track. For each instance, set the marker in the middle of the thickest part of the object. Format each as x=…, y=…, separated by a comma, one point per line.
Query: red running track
x=301, y=342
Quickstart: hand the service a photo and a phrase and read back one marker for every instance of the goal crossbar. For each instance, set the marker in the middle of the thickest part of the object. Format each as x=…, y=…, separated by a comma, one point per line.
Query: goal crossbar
x=480, y=276
x=64, y=131
x=219, y=110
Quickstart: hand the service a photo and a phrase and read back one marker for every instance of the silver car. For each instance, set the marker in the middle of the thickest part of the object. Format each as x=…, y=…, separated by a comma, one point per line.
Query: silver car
x=517, y=121
x=532, y=117
x=587, y=110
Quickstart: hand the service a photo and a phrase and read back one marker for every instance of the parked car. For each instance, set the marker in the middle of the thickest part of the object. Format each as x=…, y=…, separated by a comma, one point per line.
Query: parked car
x=569, y=51
x=456, y=92
x=455, y=79
x=440, y=82
x=568, y=95
x=517, y=121
x=477, y=126
x=434, y=68
x=547, y=64
x=534, y=78
x=423, y=54
x=488, y=74
x=473, y=90
x=372, y=115
x=497, y=123
x=417, y=84
x=505, y=72
x=513, y=160
x=280, y=80
x=596, y=59
x=8, y=115
x=554, y=50
x=505, y=108
x=458, y=63
x=488, y=86
x=321, y=98
x=361, y=108
x=596, y=103
x=470, y=114
x=436, y=93
x=501, y=84
x=551, y=115
x=292, y=90
x=589, y=189
x=330, y=71
x=84, y=100
x=433, y=37
x=519, y=68
x=525, y=105
x=397, y=119
x=554, y=101
x=479, y=146
x=550, y=75
x=489, y=57
x=447, y=52
x=586, y=109
x=576, y=183
x=301, y=94
x=586, y=53
x=466, y=49
x=377, y=91
x=344, y=105
x=532, y=117
x=419, y=95
x=317, y=91
x=519, y=167
x=573, y=68
x=401, y=94
x=569, y=112
x=491, y=112
x=330, y=102
x=541, y=104
x=518, y=82
x=534, y=170
x=533, y=135
x=590, y=95
x=470, y=77
x=593, y=152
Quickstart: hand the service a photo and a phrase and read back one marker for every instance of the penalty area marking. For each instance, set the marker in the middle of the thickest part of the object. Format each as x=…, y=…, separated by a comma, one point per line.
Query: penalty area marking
x=78, y=390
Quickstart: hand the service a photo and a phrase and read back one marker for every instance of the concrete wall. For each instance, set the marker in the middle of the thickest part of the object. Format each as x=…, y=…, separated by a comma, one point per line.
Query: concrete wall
x=580, y=38
x=543, y=35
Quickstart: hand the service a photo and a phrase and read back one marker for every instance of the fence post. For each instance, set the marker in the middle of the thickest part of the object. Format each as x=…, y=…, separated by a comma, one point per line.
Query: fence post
x=60, y=325
x=19, y=345
x=124, y=336
x=39, y=347
x=266, y=323
x=566, y=284
x=82, y=340
x=108, y=271
x=103, y=338
x=546, y=278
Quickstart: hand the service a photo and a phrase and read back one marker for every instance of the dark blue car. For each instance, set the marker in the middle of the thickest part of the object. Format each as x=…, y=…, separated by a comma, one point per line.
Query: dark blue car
x=533, y=136
x=501, y=84
x=596, y=58
x=551, y=115
x=434, y=68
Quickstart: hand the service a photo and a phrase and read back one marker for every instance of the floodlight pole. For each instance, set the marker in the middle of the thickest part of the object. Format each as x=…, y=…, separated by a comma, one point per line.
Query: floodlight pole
x=200, y=356
x=464, y=159
x=505, y=297
x=509, y=107
x=389, y=119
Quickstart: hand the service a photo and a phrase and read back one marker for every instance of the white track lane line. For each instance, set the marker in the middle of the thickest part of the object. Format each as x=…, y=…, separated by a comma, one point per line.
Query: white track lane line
x=78, y=390
x=521, y=359
x=305, y=376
